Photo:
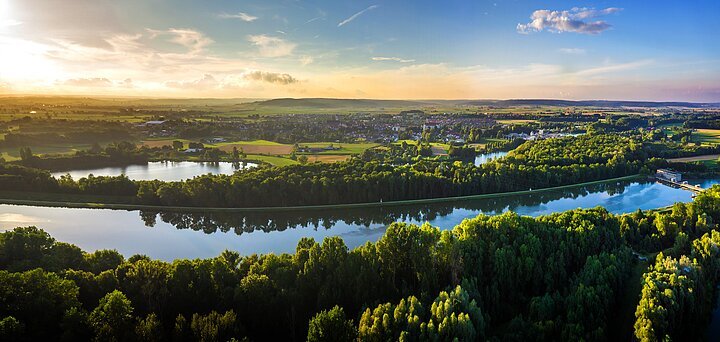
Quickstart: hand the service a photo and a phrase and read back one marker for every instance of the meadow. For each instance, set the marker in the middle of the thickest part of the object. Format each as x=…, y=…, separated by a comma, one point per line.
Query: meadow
x=707, y=136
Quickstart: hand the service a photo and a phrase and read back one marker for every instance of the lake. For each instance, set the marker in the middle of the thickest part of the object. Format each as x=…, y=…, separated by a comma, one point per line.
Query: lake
x=172, y=235
x=164, y=170
x=486, y=157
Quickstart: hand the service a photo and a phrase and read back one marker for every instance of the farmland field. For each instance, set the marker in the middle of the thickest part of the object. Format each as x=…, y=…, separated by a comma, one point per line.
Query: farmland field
x=710, y=136
x=328, y=158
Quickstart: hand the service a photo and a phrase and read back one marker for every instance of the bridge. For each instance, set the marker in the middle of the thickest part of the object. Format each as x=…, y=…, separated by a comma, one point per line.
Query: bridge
x=682, y=185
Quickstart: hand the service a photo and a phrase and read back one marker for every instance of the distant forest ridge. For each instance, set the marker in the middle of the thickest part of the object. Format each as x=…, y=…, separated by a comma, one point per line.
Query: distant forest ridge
x=370, y=103
x=328, y=103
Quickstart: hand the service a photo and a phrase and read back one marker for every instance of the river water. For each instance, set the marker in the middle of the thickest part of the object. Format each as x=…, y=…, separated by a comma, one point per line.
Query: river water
x=172, y=235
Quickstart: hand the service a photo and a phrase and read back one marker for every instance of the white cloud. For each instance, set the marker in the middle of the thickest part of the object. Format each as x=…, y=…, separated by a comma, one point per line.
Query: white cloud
x=610, y=68
x=239, y=15
x=573, y=51
x=271, y=77
x=88, y=82
x=195, y=41
x=205, y=83
x=394, y=59
x=575, y=20
x=354, y=16
x=269, y=46
x=305, y=60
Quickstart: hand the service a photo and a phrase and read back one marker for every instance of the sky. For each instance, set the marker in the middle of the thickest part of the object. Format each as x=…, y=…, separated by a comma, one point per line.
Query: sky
x=386, y=49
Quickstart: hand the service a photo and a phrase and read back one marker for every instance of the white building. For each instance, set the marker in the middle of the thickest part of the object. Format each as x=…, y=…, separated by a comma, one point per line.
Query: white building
x=668, y=174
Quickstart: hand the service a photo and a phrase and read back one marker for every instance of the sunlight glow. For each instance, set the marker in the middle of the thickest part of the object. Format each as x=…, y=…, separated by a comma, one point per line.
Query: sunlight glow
x=24, y=60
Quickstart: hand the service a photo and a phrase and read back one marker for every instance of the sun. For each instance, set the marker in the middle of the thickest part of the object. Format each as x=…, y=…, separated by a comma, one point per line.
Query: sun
x=6, y=19
x=4, y=14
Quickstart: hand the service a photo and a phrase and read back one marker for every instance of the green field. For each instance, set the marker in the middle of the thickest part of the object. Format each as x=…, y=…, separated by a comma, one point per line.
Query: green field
x=706, y=136
x=273, y=160
x=351, y=148
x=12, y=153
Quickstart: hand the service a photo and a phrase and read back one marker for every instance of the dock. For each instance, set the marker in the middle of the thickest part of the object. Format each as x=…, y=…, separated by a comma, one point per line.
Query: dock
x=682, y=185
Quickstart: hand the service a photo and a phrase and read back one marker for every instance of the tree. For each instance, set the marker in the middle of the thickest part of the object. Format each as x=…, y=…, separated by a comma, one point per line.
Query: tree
x=26, y=154
x=331, y=326
x=11, y=329
x=177, y=145
x=95, y=149
x=454, y=316
x=24, y=248
x=235, y=154
x=149, y=329
x=104, y=259
x=214, y=326
x=112, y=319
x=302, y=159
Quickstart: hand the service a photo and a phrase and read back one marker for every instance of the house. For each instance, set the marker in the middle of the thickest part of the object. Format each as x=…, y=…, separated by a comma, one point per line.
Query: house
x=192, y=150
x=668, y=174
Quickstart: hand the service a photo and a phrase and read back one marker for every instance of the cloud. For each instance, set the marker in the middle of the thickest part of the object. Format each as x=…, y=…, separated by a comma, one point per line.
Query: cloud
x=611, y=68
x=305, y=60
x=394, y=59
x=205, y=83
x=195, y=41
x=272, y=46
x=88, y=82
x=315, y=19
x=239, y=15
x=84, y=22
x=271, y=77
x=575, y=20
x=573, y=51
x=354, y=16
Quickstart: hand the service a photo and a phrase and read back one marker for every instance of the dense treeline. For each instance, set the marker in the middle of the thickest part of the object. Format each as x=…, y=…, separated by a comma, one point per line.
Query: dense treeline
x=118, y=153
x=533, y=165
x=490, y=269
x=555, y=277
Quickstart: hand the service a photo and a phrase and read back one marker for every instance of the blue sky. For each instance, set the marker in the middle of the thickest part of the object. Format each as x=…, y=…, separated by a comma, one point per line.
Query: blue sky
x=645, y=50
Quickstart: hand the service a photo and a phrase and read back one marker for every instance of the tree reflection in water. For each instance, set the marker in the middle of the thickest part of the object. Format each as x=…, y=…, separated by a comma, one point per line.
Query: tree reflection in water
x=280, y=220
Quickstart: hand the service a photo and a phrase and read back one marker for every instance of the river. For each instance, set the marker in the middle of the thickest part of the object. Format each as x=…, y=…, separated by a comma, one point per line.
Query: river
x=172, y=235
x=164, y=170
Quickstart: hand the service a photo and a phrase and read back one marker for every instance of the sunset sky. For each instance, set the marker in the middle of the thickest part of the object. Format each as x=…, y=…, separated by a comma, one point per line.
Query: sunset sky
x=421, y=49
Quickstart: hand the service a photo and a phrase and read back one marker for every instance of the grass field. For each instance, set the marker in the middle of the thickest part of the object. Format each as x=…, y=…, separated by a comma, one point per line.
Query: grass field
x=708, y=136
x=706, y=157
x=273, y=160
x=11, y=153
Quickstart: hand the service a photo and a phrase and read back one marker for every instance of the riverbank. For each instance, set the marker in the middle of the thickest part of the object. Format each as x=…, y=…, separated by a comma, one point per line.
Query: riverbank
x=125, y=203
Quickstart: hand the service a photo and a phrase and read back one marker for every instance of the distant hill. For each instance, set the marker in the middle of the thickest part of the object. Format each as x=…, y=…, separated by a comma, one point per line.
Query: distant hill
x=343, y=103
x=328, y=103
x=587, y=103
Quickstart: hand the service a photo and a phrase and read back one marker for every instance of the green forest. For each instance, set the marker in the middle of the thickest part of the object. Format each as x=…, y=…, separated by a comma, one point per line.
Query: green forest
x=565, y=276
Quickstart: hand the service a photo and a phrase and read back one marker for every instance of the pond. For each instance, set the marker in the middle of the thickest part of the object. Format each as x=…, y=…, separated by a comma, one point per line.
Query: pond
x=172, y=235
x=164, y=170
x=486, y=157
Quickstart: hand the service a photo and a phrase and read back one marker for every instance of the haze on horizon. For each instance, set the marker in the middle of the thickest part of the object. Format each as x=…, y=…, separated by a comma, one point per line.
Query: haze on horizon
x=384, y=49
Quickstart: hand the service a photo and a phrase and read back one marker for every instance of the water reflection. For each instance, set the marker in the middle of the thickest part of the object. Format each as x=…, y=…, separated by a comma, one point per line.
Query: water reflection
x=173, y=235
x=486, y=157
x=609, y=195
x=164, y=170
